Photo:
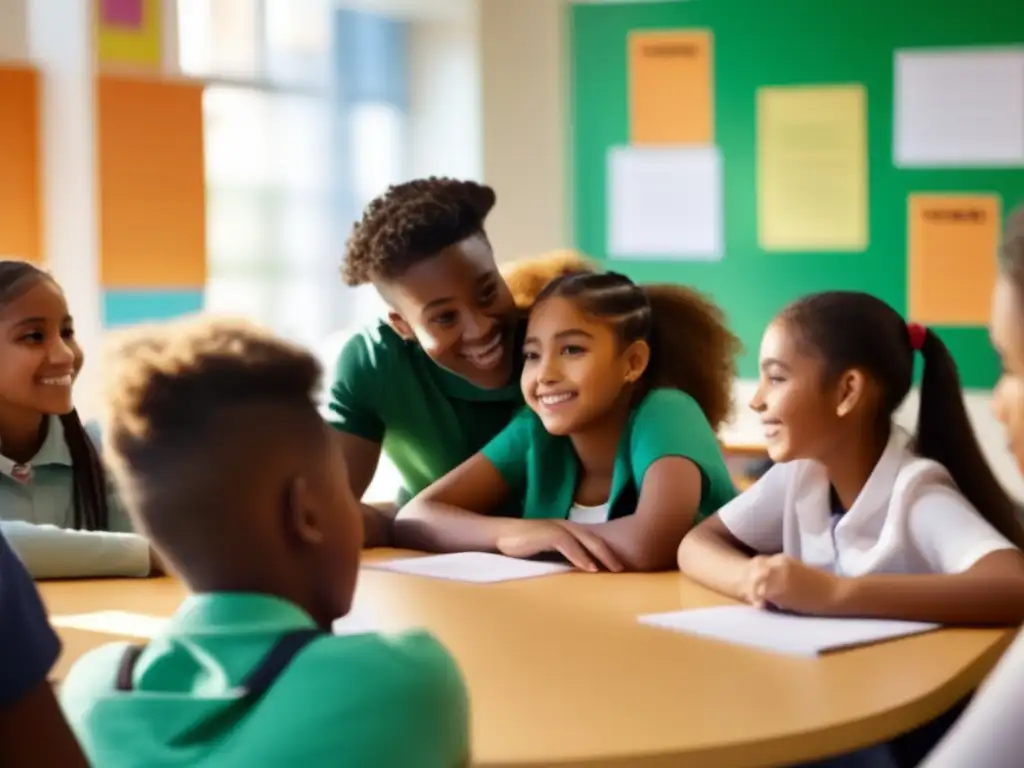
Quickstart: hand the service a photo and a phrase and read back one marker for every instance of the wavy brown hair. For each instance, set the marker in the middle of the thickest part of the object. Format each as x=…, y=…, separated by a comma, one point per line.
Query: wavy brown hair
x=692, y=349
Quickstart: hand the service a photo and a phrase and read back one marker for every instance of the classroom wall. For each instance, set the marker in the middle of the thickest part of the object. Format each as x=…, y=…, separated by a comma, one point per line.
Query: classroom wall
x=524, y=93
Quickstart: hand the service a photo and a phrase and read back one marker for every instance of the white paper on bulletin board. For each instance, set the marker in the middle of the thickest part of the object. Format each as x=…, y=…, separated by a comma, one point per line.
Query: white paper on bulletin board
x=665, y=203
x=959, y=108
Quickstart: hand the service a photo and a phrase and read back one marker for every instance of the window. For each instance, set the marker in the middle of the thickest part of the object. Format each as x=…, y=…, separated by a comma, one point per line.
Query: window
x=291, y=155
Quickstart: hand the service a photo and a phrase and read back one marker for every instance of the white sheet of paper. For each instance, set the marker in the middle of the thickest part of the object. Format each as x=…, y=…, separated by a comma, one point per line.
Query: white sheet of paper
x=477, y=567
x=112, y=623
x=783, y=633
x=357, y=622
x=665, y=203
x=959, y=108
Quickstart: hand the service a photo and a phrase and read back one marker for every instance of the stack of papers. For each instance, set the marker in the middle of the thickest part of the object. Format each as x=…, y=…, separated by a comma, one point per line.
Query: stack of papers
x=475, y=567
x=782, y=632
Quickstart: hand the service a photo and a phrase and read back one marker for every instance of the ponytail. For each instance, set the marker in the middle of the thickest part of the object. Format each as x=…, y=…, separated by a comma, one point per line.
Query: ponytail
x=945, y=435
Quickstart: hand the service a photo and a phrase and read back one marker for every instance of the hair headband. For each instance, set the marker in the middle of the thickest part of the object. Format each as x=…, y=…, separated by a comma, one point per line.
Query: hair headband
x=917, y=334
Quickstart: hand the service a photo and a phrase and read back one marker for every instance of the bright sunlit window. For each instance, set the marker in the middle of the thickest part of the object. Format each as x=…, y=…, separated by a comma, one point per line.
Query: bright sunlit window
x=289, y=162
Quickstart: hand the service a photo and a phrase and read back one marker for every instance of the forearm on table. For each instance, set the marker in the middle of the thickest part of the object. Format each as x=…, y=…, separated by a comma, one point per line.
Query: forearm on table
x=713, y=561
x=378, y=524
x=436, y=527
x=638, y=545
x=50, y=552
x=944, y=598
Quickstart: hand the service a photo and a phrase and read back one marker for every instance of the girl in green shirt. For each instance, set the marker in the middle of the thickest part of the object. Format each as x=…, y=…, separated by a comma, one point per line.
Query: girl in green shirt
x=616, y=456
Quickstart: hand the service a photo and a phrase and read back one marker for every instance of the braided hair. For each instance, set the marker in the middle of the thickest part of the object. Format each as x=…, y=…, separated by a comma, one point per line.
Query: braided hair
x=692, y=349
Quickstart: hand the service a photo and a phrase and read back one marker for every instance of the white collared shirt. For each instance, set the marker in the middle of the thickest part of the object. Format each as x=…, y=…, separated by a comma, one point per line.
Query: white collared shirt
x=909, y=518
x=37, y=518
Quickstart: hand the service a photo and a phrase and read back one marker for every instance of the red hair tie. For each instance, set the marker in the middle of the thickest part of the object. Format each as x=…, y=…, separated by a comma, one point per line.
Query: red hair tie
x=917, y=334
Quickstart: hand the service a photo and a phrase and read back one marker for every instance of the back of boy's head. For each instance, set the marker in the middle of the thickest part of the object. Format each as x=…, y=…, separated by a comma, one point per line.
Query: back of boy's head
x=854, y=330
x=412, y=222
x=207, y=424
x=692, y=349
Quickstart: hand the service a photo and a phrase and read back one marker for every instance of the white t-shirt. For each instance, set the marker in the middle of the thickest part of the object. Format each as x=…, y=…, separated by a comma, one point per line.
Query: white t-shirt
x=589, y=515
x=909, y=518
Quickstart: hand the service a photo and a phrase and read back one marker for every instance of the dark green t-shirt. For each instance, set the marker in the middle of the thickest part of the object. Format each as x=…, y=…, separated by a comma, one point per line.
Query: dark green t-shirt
x=428, y=420
x=542, y=469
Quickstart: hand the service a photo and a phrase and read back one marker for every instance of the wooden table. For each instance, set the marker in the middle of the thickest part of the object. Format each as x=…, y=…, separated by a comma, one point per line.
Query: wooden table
x=561, y=674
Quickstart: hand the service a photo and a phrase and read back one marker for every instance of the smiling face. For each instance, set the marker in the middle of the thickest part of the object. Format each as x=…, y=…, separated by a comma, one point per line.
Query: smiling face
x=39, y=357
x=457, y=306
x=575, y=370
x=1006, y=328
x=799, y=408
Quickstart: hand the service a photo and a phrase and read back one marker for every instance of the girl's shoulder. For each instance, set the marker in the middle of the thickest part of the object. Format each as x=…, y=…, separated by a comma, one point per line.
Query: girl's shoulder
x=668, y=403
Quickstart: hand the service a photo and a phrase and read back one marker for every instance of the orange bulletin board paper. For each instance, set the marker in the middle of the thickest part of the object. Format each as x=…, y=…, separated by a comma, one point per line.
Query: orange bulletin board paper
x=671, y=97
x=20, y=205
x=152, y=183
x=131, y=45
x=953, y=240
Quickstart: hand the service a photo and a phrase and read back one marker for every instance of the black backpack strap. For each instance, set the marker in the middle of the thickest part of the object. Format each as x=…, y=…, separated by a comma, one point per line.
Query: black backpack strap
x=276, y=661
x=127, y=667
x=258, y=680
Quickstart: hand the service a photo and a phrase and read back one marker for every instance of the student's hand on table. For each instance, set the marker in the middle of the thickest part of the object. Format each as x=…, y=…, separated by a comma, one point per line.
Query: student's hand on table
x=786, y=583
x=574, y=542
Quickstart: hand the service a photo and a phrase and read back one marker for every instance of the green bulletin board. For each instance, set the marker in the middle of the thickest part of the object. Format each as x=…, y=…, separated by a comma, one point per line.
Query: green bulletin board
x=785, y=42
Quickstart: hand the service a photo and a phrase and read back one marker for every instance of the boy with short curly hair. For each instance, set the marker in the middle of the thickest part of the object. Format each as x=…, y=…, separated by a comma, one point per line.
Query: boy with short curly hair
x=214, y=437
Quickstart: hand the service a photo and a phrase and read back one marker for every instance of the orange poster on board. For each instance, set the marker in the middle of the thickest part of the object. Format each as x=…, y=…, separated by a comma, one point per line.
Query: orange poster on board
x=20, y=205
x=152, y=183
x=952, y=241
x=671, y=90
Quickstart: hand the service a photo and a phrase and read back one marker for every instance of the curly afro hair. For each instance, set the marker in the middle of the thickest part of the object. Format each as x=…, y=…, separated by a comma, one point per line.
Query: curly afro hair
x=412, y=222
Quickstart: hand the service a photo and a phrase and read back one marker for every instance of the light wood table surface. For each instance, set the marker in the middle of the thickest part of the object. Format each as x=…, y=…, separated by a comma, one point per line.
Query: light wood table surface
x=561, y=674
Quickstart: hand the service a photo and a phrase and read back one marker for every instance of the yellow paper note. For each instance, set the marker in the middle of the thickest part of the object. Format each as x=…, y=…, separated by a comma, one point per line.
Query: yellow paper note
x=127, y=45
x=670, y=88
x=952, y=243
x=812, y=168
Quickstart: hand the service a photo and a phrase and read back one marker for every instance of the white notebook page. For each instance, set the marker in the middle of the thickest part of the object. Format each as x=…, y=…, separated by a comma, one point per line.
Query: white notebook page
x=476, y=567
x=783, y=632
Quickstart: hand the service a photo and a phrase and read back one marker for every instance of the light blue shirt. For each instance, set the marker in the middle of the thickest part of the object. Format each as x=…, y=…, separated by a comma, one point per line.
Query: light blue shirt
x=37, y=515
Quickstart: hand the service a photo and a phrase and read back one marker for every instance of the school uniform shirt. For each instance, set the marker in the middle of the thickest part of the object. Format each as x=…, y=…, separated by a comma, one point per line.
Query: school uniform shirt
x=909, y=518
x=543, y=471
x=37, y=515
x=350, y=700
x=28, y=645
x=428, y=419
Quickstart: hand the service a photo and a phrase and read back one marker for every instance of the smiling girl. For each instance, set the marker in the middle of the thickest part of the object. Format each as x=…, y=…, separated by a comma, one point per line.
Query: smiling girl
x=435, y=380
x=616, y=456
x=54, y=509
x=857, y=519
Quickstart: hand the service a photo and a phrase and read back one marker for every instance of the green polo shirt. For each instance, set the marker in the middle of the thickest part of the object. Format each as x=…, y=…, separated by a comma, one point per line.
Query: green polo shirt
x=427, y=419
x=350, y=700
x=542, y=469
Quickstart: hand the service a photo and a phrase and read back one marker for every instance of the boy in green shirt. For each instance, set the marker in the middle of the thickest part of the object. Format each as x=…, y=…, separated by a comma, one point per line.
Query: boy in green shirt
x=436, y=380
x=215, y=439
